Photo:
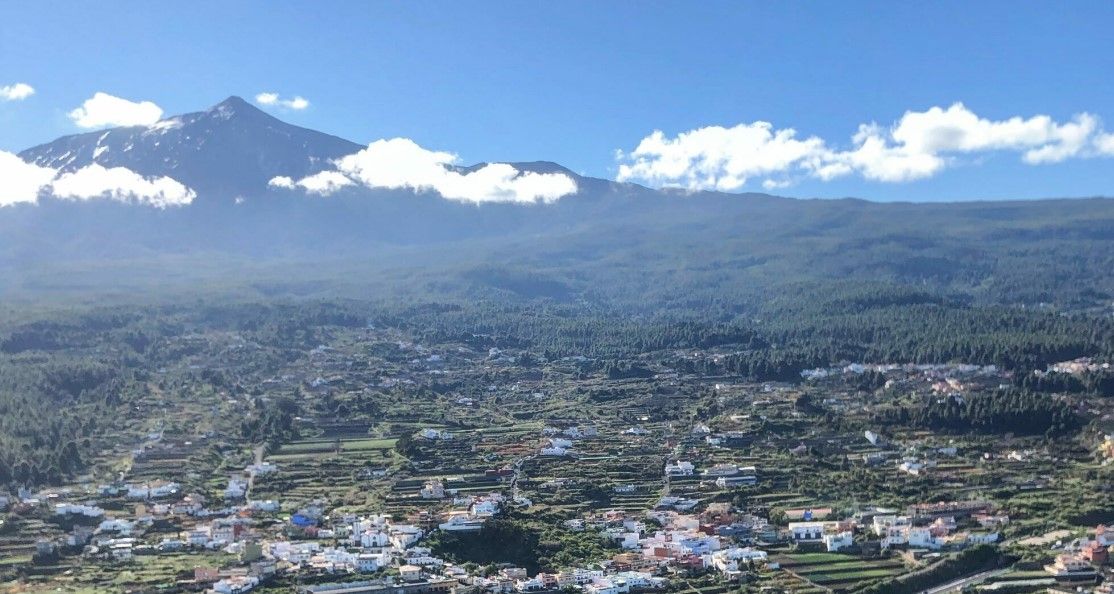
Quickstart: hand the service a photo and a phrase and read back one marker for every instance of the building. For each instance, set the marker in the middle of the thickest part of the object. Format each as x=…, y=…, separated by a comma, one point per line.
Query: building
x=410, y=573
x=370, y=562
x=806, y=531
x=836, y=541
x=88, y=511
x=1070, y=568
x=1095, y=552
x=463, y=522
x=727, y=482
x=729, y=561
x=383, y=587
x=433, y=489
x=679, y=468
x=724, y=470
x=236, y=584
x=251, y=551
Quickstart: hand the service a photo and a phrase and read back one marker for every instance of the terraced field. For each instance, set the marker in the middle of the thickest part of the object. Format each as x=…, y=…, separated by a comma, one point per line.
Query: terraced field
x=839, y=572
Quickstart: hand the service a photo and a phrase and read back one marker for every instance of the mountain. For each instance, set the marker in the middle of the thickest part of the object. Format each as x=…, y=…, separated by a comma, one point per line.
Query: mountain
x=616, y=241
x=231, y=149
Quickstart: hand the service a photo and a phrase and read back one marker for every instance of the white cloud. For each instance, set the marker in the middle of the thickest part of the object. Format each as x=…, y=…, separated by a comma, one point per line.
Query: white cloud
x=24, y=183
x=103, y=110
x=876, y=158
x=282, y=181
x=774, y=184
x=121, y=184
x=716, y=157
x=402, y=163
x=20, y=181
x=1104, y=143
x=272, y=99
x=323, y=183
x=16, y=92
x=919, y=145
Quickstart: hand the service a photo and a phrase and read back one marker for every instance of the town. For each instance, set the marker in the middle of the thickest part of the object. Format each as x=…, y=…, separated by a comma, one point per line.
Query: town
x=376, y=463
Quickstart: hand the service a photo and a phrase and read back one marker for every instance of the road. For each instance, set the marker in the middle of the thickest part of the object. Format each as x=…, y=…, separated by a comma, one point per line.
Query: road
x=959, y=584
x=517, y=472
x=257, y=455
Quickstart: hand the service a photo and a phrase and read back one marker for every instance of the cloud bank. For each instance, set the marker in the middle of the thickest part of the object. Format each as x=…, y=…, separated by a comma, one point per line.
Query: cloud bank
x=400, y=163
x=104, y=110
x=21, y=181
x=25, y=183
x=297, y=103
x=919, y=145
x=16, y=92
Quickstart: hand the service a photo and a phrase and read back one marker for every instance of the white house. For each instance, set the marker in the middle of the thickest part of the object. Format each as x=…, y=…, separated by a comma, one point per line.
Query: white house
x=485, y=507
x=122, y=551
x=729, y=562
x=462, y=523
x=533, y=584
x=678, y=503
x=89, y=511
x=433, y=489
x=261, y=468
x=603, y=586
x=236, y=584
x=806, y=531
x=236, y=489
x=152, y=490
x=679, y=468
x=727, y=482
x=371, y=562
x=198, y=537
x=722, y=470
x=882, y=523
x=118, y=525
x=404, y=535
x=835, y=541
x=264, y=505
x=436, y=434
x=373, y=539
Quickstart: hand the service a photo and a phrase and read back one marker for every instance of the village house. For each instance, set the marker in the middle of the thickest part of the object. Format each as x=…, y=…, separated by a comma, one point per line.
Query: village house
x=679, y=468
x=236, y=489
x=728, y=482
x=88, y=511
x=730, y=561
x=432, y=489
x=410, y=573
x=235, y=584
x=462, y=522
x=836, y=541
x=1095, y=552
x=436, y=434
x=1070, y=568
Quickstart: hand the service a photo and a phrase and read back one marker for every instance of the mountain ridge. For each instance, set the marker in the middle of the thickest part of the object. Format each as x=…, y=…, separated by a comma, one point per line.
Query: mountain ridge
x=654, y=238
x=230, y=149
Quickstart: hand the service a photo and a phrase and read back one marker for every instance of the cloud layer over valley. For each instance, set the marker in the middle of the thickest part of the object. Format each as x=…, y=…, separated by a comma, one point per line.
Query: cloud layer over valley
x=400, y=163
x=25, y=183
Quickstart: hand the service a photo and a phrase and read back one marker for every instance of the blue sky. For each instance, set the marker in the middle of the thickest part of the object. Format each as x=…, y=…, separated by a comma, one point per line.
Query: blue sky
x=573, y=82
